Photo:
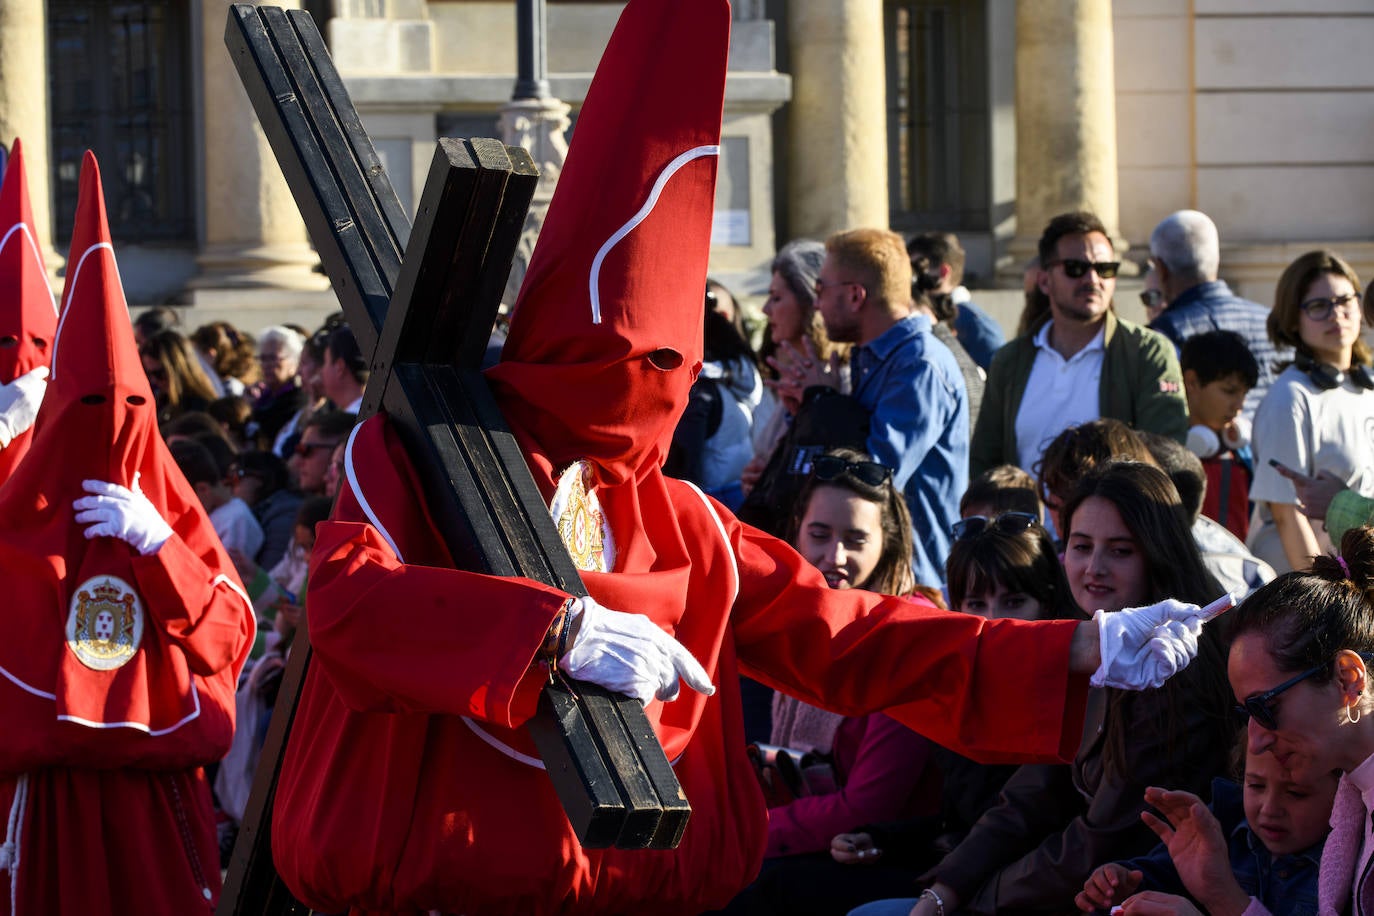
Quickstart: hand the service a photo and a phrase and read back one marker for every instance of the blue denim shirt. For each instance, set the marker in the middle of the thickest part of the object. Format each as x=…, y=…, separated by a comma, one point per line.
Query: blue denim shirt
x=1213, y=307
x=980, y=335
x=1286, y=885
x=919, y=427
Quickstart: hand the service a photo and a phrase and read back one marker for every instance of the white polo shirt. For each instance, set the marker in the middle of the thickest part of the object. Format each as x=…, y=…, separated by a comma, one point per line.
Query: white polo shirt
x=1059, y=393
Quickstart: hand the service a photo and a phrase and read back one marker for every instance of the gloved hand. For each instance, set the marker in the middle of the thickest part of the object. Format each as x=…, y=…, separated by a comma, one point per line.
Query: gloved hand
x=19, y=402
x=1143, y=647
x=118, y=512
x=630, y=654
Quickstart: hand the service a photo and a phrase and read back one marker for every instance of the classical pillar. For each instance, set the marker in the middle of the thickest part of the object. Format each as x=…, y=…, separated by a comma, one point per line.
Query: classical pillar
x=24, y=106
x=836, y=125
x=254, y=235
x=1065, y=115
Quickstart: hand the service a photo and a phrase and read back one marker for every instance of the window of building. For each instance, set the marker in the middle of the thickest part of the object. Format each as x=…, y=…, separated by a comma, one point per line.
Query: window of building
x=938, y=114
x=121, y=86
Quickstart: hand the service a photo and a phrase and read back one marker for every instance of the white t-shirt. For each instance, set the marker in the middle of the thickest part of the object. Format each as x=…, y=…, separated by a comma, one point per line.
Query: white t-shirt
x=1059, y=393
x=1309, y=430
x=237, y=527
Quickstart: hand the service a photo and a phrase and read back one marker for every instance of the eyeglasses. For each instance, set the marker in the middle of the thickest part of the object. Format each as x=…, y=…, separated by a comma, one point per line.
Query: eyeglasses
x=1260, y=707
x=829, y=467
x=822, y=285
x=1075, y=268
x=1321, y=308
x=305, y=448
x=1152, y=298
x=1007, y=523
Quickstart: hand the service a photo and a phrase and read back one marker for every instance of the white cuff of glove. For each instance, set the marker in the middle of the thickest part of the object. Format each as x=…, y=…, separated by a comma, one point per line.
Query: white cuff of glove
x=1143, y=647
x=630, y=654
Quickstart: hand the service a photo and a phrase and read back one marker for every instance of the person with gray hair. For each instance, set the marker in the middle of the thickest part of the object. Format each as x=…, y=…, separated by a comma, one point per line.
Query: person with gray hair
x=1185, y=252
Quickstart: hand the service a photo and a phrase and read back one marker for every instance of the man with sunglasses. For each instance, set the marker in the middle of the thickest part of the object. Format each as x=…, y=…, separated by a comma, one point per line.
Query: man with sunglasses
x=1185, y=252
x=1082, y=363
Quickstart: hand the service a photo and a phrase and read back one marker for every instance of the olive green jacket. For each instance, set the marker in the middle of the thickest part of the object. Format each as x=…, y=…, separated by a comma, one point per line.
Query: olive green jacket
x=1141, y=385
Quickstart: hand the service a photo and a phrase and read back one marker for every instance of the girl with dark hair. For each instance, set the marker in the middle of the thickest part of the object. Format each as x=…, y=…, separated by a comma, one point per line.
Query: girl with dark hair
x=852, y=524
x=1127, y=545
x=1007, y=566
x=1300, y=668
x=1318, y=412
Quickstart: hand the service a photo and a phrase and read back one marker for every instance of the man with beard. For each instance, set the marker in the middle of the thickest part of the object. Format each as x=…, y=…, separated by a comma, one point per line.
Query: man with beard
x=1080, y=364
x=908, y=381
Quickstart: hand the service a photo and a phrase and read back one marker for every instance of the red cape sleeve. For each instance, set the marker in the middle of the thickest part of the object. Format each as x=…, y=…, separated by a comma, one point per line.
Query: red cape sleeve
x=995, y=691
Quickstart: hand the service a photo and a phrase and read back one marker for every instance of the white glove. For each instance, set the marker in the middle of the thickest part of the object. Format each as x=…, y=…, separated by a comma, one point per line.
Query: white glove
x=19, y=402
x=1143, y=647
x=118, y=512
x=630, y=654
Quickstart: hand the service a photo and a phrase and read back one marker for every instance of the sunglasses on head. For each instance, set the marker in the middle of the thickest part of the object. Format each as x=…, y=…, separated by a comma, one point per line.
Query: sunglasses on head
x=1261, y=706
x=829, y=467
x=1075, y=268
x=1007, y=523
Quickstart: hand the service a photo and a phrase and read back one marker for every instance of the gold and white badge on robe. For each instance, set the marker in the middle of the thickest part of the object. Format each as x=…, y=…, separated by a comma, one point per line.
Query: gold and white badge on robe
x=581, y=524
x=105, y=623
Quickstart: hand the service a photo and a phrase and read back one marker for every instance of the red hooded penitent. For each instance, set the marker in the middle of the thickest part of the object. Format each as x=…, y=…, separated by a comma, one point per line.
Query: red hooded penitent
x=28, y=312
x=113, y=661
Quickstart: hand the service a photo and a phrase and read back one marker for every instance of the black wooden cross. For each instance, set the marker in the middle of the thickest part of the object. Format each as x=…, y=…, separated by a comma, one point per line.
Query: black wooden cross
x=422, y=301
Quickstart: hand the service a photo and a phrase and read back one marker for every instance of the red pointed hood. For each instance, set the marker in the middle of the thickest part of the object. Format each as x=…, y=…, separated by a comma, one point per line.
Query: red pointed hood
x=620, y=268
x=97, y=421
x=28, y=312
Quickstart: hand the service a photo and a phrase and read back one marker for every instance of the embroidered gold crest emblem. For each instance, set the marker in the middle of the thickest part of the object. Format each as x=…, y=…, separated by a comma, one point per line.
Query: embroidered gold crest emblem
x=581, y=523
x=105, y=623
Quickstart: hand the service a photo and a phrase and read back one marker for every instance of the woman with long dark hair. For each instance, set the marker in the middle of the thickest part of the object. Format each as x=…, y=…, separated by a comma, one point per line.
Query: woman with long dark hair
x=1127, y=544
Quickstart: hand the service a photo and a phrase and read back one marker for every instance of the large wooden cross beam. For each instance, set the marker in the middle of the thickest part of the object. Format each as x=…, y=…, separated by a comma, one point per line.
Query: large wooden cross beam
x=421, y=300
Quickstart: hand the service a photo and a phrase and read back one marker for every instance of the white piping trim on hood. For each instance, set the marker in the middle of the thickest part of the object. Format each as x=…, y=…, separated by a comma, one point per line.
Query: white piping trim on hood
x=71, y=291
x=33, y=247
x=643, y=214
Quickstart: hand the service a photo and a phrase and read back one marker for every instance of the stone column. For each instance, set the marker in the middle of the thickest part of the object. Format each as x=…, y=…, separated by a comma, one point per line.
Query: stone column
x=254, y=235
x=24, y=106
x=836, y=126
x=1065, y=116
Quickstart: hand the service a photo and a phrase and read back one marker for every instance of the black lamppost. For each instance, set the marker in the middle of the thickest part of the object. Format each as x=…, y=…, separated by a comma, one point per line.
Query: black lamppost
x=531, y=51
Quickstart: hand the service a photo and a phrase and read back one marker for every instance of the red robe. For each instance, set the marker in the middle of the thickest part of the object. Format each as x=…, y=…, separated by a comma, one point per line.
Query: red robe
x=402, y=791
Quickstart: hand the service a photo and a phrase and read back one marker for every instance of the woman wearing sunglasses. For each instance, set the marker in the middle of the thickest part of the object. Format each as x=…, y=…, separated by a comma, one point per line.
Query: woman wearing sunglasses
x=1300, y=664
x=1318, y=414
x=852, y=524
x=1127, y=545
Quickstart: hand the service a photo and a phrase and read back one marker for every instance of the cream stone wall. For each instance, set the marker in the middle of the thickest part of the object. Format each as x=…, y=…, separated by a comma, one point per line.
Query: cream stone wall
x=1256, y=112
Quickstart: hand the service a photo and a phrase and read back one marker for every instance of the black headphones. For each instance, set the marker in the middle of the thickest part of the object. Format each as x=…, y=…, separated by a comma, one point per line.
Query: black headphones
x=1326, y=376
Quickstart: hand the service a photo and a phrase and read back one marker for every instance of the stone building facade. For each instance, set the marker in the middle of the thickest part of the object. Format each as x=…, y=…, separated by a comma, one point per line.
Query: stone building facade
x=981, y=116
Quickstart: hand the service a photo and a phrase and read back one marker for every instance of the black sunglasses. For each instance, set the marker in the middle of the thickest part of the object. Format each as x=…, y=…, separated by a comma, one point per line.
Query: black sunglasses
x=829, y=467
x=1007, y=523
x=1075, y=268
x=1261, y=708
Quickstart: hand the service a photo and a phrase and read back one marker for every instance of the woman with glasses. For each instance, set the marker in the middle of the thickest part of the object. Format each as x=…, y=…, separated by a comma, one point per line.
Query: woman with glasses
x=1300, y=668
x=1127, y=545
x=1007, y=566
x=852, y=525
x=1319, y=413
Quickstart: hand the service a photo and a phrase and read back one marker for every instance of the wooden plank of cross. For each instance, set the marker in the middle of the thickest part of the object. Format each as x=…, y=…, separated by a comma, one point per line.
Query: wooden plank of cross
x=422, y=299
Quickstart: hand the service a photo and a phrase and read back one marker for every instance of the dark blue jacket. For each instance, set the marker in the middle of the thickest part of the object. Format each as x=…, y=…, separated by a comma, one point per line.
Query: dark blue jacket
x=1213, y=307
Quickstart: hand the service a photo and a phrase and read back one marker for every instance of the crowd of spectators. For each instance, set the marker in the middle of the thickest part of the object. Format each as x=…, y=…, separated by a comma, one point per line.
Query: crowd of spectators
x=1086, y=465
